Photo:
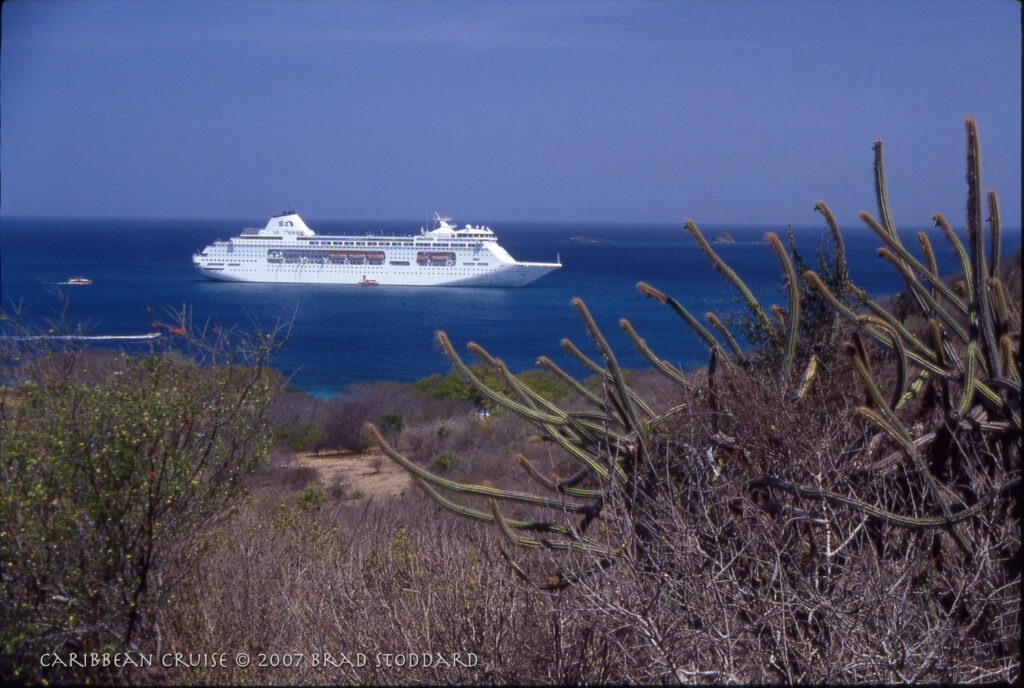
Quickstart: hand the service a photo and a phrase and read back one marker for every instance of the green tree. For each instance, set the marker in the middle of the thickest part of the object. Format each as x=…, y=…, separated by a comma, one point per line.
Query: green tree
x=392, y=423
x=106, y=481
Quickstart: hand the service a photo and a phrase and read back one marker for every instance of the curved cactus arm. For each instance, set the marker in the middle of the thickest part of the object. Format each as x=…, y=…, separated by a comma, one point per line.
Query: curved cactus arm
x=752, y=303
x=888, y=463
x=793, y=309
x=558, y=583
x=479, y=490
x=995, y=232
x=535, y=401
x=913, y=263
x=962, y=257
x=931, y=305
x=558, y=486
x=920, y=355
x=861, y=351
x=887, y=228
x=527, y=395
x=582, y=358
x=658, y=420
x=997, y=401
x=494, y=396
x=901, y=365
x=561, y=579
x=882, y=421
x=876, y=512
x=833, y=228
x=929, y=257
x=571, y=381
x=942, y=351
x=700, y=330
x=610, y=407
x=837, y=305
x=574, y=451
x=1011, y=385
x=898, y=432
x=780, y=315
x=892, y=425
x=586, y=430
x=1002, y=313
x=572, y=435
x=602, y=373
x=967, y=388
x=1006, y=353
x=918, y=350
x=886, y=419
x=519, y=541
x=943, y=347
x=900, y=388
x=913, y=390
x=975, y=239
x=587, y=435
x=592, y=428
x=594, y=420
x=838, y=259
x=808, y=377
x=881, y=194
x=627, y=398
x=716, y=323
x=664, y=367
x=620, y=411
x=476, y=515
x=985, y=391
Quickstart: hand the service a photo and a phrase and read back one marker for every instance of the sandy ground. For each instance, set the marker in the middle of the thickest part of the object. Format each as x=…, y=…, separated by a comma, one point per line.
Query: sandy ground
x=372, y=473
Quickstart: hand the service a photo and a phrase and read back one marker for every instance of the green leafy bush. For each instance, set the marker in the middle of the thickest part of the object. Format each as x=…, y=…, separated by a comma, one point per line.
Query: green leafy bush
x=444, y=461
x=298, y=436
x=396, y=563
x=453, y=386
x=311, y=497
x=392, y=423
x=106, y=482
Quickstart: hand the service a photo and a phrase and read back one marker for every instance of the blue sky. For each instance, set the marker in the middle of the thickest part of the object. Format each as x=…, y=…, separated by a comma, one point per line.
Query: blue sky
x=729, y=111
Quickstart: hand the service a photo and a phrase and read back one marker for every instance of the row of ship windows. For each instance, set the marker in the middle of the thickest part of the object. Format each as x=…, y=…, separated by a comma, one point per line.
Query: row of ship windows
x=351, y=257
x=389, y=244
x=258, y=251
x=213, y=267
x=399, y=263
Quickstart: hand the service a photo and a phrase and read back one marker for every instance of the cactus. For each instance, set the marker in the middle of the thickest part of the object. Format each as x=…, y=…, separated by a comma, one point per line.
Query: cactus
x=966, y=359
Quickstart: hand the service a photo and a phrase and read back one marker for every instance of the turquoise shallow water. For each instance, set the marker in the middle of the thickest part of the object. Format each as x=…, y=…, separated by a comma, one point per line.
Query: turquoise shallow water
x=346, y=334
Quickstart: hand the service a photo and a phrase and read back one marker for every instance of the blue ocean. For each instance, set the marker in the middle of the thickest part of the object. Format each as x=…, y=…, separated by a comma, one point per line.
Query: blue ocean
x=341, y=335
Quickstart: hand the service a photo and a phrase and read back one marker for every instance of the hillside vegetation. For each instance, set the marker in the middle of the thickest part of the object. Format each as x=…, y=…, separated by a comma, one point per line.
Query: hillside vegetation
x=839, y=503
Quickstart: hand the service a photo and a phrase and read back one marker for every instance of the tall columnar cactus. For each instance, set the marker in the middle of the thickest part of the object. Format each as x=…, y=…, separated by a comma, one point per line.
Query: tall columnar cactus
x=969, y=360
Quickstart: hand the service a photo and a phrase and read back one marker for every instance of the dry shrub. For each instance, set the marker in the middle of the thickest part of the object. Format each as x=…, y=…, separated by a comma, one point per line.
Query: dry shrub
x=386, y=577
x=286, y=478
x=730, y=585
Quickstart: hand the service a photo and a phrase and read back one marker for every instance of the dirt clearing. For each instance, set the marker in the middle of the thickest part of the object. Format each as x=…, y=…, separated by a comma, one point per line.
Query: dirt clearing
x=370, y=474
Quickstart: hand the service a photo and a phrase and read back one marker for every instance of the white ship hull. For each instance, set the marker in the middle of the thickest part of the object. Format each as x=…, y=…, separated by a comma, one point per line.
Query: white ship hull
x=288, y=252
x=507, y=276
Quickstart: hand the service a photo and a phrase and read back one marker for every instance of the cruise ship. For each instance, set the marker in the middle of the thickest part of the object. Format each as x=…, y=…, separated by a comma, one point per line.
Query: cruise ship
x=287, y=251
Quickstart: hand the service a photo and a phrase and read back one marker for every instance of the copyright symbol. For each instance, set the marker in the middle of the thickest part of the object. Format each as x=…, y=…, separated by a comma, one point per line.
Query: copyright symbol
x=242, y=659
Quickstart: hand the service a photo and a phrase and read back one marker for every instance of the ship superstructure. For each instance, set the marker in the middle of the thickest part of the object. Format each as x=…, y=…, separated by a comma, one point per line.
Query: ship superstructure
x=287, y=251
